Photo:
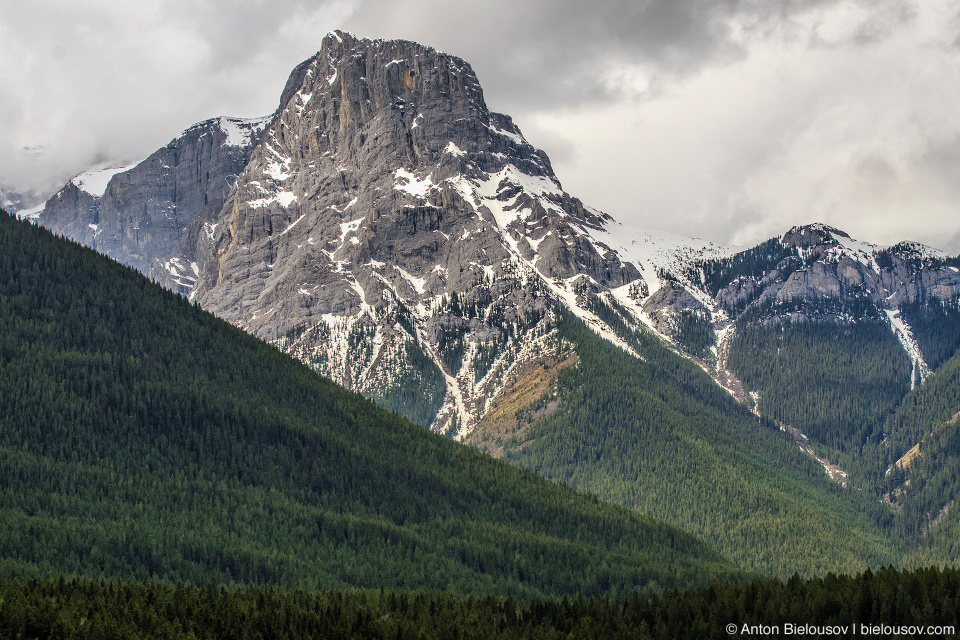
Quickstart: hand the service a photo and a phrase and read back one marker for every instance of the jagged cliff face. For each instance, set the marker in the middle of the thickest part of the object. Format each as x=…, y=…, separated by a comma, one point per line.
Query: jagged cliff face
x=387, y=153
x=139, y=214
x=389, y=219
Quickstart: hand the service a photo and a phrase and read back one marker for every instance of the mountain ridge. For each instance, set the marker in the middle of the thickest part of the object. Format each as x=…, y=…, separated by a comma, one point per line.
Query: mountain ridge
x=659, y=287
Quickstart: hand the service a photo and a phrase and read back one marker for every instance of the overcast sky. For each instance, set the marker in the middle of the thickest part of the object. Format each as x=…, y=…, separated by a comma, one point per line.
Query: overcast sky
x=730, y=120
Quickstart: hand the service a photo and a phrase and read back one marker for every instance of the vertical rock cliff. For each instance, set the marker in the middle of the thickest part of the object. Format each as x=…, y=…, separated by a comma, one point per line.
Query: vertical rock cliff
x=138, y=214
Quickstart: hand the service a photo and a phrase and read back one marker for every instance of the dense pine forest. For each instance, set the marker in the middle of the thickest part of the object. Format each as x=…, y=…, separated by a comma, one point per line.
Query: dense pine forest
x=238, y=494
x=918, y=468
x=661, y=437
x=885, y=603
x=142, y=438
x=936, y=328
x=836, y=383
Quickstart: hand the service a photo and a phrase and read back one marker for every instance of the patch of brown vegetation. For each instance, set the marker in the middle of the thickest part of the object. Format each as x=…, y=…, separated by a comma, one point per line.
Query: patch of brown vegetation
x=526, y=385
x=908, y=457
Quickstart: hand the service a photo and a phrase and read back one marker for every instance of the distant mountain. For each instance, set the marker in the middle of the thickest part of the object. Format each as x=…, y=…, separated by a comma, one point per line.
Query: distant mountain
x=383, y=207
x=827, y=334
x=141, y=214
x=22, y=203
x=144, y=438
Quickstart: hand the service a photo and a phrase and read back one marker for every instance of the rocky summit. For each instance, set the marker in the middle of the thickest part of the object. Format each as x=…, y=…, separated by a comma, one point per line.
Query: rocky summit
x=391, y=229
x=816, y=273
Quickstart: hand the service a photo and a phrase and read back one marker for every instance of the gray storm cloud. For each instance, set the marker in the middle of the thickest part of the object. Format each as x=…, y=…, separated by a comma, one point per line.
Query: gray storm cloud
x=730, y=120
x=544, y=52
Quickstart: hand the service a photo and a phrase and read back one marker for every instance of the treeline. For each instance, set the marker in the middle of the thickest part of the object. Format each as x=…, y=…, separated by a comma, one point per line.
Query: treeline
x=83, y=608
x=716, y=273
x=142, y=438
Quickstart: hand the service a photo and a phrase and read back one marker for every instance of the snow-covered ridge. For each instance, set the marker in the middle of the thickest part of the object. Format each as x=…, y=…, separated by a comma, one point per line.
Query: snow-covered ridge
x=839, y=244
x=655, y=252
x=33, y=213
x=239, y=132
x=95, y=180
x=918, y=251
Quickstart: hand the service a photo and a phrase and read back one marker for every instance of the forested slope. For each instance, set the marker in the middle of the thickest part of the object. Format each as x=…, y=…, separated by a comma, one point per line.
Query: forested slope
x=659, y=436
x=835, y=383
x=917, y=468
x=142, y=438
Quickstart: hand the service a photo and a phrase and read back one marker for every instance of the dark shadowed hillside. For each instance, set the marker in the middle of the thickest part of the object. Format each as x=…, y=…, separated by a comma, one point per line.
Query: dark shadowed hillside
x=142, y=438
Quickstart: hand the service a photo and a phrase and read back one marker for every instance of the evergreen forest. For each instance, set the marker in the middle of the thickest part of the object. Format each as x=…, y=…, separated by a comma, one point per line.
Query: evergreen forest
x=163, y=474
x=659, y=436
x=835, y=383
x=885, y=603
x=141, y=438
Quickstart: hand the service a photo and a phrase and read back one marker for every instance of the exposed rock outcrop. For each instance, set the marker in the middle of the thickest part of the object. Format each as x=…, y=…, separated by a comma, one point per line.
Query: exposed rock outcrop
x=139, y=214
x=828, y=275
x=388, y=229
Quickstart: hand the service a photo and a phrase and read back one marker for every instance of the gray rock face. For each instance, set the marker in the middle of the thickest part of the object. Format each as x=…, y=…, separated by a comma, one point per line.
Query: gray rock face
x=73, y=213
x=667, y=302
x=813, y=235
x=139, y=215
x=388, y=229
x=383, y=225
x=379, y=157
x=830, y=266
x=386, y=189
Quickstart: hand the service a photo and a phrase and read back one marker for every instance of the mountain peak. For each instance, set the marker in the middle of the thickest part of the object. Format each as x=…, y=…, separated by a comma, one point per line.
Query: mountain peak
x=386, y=199
x=398, y=134
x=813, y=234
x=388, y=228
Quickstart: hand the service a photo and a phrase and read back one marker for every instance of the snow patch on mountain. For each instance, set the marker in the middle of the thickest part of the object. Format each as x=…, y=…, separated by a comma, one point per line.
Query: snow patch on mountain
x=658, y=254
x=95, y=180
x=32, y=213
x=240, y=131
x=905, y=336
x=182, y=273
x=284, y=198
x=409, y=183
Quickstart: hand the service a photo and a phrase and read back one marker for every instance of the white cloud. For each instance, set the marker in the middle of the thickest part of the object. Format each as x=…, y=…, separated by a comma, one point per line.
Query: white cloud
x=108, y=79
x=862, y=134
x=730, y=120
